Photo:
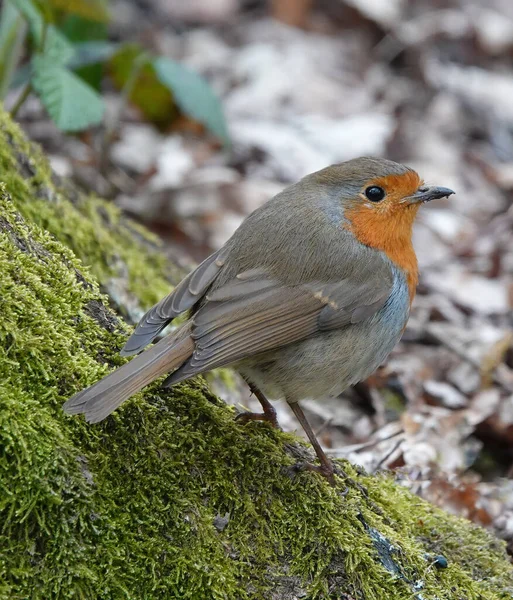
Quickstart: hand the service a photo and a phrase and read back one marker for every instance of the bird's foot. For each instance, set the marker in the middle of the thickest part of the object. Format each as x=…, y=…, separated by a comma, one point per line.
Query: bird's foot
x=326, y=470
x=269, y=416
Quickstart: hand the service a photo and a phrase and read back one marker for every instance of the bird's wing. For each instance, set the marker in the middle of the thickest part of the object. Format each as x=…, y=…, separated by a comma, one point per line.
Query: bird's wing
x=255, y=313
x=182, y=298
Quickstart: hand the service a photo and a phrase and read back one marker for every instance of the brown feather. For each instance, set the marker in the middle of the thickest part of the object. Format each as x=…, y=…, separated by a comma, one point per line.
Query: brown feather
x=99, y=400
x=231, y=325
x=182, y=298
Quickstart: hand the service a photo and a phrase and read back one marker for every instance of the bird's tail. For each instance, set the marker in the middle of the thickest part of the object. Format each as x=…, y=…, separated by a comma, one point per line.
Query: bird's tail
x=102, y=398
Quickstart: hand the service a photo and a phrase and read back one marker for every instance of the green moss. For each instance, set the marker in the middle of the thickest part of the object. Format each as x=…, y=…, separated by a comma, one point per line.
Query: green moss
x=169, y=497
x=94, y=229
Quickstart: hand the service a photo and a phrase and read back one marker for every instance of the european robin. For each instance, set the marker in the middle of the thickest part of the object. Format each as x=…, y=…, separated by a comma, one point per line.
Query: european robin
x=308, y=296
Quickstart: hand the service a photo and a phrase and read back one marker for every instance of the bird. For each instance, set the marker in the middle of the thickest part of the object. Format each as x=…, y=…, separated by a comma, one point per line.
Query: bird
x=308, y=297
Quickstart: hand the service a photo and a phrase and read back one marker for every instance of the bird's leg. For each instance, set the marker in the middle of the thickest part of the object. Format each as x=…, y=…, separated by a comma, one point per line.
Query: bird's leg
x=326, y=467
x=269, y=413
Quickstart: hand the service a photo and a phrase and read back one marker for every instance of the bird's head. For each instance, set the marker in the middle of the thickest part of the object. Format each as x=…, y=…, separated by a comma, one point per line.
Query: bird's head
x=380, y=198
x=379, y=189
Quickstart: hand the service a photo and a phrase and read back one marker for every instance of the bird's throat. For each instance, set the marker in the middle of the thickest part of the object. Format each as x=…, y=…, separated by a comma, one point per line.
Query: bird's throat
x=389, y=233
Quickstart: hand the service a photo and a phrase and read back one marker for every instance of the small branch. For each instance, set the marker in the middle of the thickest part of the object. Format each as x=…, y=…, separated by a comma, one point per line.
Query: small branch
x=28, y=88
x=388, y=455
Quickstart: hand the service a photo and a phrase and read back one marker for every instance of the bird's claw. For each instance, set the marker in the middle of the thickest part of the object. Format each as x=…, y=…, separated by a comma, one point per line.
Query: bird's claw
x=268, y=417
x=326, y=471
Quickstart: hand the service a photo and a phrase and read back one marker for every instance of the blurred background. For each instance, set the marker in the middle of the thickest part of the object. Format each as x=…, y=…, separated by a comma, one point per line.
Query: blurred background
x=241, y=98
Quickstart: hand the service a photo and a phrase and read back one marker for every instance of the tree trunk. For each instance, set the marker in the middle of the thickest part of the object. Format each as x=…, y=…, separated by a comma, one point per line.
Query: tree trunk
x=169, y=497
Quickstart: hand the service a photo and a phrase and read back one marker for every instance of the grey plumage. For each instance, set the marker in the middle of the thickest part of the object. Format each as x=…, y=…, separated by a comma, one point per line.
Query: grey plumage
x=292, y=301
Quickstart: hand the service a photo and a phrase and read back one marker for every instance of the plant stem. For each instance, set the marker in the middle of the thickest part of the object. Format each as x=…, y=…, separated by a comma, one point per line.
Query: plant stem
x=12, y=35
x=21, y=99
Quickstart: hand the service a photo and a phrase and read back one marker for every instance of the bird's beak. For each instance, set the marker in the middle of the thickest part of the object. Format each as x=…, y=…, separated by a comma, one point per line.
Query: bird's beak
x=425, y=194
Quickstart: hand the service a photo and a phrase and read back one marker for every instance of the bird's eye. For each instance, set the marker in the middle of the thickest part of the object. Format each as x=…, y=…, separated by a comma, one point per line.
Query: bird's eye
x=375, y=193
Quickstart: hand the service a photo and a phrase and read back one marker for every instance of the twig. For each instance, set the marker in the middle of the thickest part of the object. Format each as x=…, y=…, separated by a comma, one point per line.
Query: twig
x=364, y=445
x=322, y=427
x=28, y=88
x=376, y=442
x=387, y=456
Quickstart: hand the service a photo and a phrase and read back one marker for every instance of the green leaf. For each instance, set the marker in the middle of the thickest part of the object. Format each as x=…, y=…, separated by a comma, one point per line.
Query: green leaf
x=152, y=98
x=88, y=61
x=55, y=43
x=77, y=29
x=57, y=46
x=12, y=34
x=91, y=47
x=71, y=103
x=93, y=10
x=91, y=53
x=9, y=23
x=193, y=95
x=33, y=17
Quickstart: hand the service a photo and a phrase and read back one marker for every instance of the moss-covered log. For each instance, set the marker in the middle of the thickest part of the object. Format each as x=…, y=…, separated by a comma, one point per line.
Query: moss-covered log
x=169, y=497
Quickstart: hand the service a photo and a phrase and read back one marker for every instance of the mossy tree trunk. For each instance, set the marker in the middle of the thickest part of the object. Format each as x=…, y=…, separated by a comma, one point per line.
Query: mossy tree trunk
x=169, y=497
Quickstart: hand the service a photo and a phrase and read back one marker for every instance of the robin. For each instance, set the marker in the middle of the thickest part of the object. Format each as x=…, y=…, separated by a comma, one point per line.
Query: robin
x=308, y=296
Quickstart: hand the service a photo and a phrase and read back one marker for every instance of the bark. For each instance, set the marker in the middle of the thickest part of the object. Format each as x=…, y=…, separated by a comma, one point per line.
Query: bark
x=169, y=497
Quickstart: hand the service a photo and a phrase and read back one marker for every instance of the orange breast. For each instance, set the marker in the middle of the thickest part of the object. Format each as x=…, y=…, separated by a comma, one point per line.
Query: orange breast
x=390, y=232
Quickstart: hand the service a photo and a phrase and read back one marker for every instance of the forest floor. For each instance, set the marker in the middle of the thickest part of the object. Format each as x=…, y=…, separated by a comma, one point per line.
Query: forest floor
x=426, y=83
